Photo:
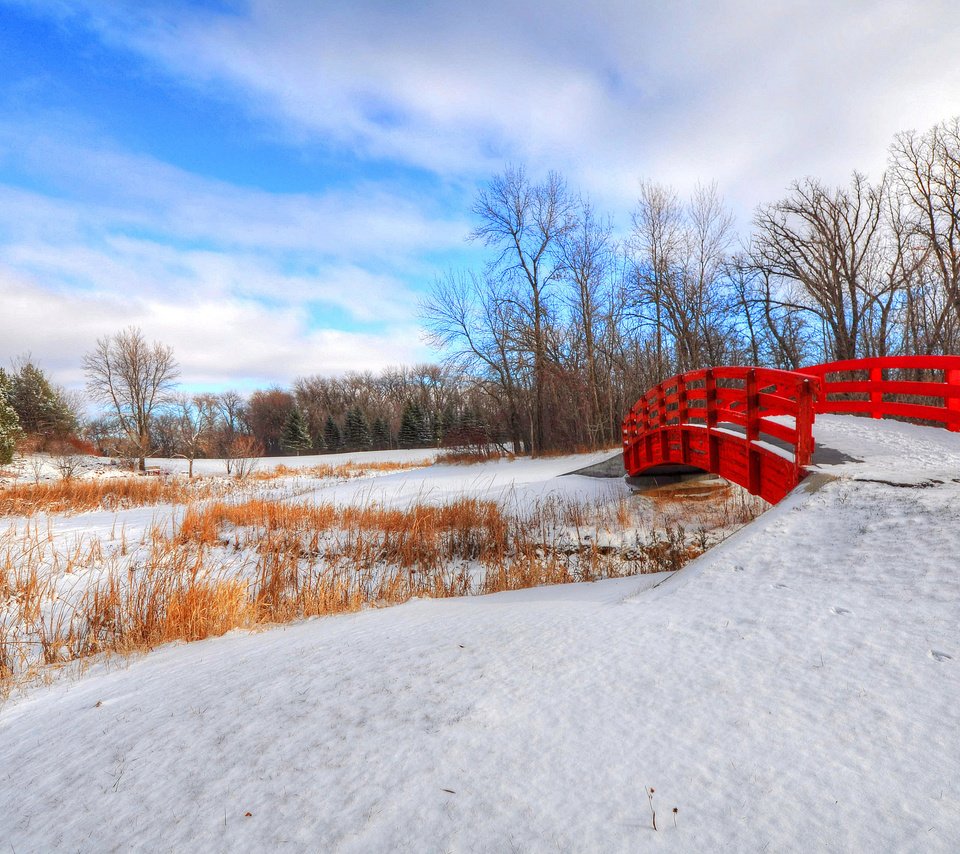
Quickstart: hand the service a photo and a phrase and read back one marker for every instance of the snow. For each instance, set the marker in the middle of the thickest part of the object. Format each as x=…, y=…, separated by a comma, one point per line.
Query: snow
x=211, y=467
x=520, y=482
x=795, y=689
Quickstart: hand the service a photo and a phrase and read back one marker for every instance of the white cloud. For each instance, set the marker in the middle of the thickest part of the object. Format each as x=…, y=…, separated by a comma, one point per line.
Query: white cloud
x=135, y=191
x=243, y=283
x=752, y=94
x=216, y=341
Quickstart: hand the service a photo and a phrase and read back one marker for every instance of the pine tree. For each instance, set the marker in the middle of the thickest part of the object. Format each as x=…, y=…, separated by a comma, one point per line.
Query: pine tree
x=41, y=408
x=295, y=437
x=414, y=429
x=428, y=432
x=447, y=422
x=356, y=431
x=331, y=434
x=469, y=420
x=380, y=437
x=9, y=422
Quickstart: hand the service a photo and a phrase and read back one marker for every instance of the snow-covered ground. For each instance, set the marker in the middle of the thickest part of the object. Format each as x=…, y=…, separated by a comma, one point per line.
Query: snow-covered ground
x=518, y=483
x=212, y=467
x=795, y=689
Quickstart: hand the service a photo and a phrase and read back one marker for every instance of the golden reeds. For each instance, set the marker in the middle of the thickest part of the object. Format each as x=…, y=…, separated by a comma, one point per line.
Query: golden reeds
x=77, y=496
x=247, y=563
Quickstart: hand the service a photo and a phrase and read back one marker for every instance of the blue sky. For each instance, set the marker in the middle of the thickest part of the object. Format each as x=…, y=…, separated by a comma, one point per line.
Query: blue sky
x=270, y=186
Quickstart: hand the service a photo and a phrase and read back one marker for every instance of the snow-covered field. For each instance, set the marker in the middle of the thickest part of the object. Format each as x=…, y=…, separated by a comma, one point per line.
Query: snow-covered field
x=795, y=689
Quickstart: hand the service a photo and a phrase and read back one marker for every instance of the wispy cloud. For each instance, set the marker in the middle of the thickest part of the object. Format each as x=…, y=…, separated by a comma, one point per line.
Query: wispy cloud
x=243, y=282
x=750, y=94
x=220, y=342
x=137, y=191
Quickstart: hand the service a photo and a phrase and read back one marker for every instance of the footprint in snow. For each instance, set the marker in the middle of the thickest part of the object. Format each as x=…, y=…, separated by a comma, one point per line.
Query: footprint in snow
x=840, y=611
x=940, y=656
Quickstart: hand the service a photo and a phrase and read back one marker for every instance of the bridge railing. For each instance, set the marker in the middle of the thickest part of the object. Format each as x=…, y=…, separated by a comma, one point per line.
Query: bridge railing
x=754, y=426
x=750, y=425
x=922, y=388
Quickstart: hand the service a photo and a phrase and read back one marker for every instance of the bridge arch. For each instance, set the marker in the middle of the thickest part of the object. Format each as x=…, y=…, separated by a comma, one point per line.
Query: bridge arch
x=754, y=426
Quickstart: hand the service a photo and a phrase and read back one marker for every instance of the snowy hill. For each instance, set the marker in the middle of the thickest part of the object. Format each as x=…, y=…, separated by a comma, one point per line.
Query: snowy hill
x=797, y=688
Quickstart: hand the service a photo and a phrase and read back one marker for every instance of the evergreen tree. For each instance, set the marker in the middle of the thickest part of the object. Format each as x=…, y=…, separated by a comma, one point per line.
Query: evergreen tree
x=380, y=437
x=469, y=420
x=295, y=437
x=414, y=428
x=9, y=422
x=428, y=431
x=331, y=434
x=41, y=408
x=447, y=422
x=356, y=430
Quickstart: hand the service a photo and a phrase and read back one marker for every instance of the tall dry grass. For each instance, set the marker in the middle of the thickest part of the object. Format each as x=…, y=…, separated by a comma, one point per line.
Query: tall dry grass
x=472, y=456
x=115, y=493
x=77, y=496
x=339, y=471
x=248, y=563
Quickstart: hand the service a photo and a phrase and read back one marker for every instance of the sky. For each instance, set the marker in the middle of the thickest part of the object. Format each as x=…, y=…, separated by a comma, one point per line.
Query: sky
x=271, y=186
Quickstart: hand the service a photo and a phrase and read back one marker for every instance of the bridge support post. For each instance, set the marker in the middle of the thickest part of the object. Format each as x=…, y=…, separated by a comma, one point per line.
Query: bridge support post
x=647, y=435
x=803, y=450
x=753, y=432
x=952, y=378
x=876, y=397
x=713, y=445
x=664, y=431
x=682, y=415
x=630, y=443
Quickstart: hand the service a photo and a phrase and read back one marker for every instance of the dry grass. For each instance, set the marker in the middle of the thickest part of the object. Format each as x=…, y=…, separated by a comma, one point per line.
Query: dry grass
x=255, y=562
x=422, y=537
x=552, y=453
x=116, y=493
x=471, y=457
x=342, y=471
x=77, y=496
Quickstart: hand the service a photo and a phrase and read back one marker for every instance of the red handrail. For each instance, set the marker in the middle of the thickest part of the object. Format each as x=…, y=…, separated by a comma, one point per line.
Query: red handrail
x=749, y=425
x=754, y=426
x=879, y=396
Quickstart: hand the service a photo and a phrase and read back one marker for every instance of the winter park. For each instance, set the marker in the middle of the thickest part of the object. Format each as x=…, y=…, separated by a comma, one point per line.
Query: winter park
x=522, y=428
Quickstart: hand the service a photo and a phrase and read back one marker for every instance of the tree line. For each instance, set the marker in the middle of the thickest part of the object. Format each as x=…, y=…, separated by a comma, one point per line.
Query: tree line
x=567, y=321
x=145, y=414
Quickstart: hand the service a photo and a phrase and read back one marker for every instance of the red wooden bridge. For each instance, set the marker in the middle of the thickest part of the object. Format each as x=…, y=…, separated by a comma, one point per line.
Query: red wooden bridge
x=754, y=426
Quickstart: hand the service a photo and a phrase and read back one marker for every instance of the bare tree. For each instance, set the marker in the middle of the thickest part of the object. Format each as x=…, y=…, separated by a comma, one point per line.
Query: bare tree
x=926, y=170
x=66, y=458
x=231, y=407
x=194, y=418
x=826, y=241
x=679, y=253
x=524, y=221
x=587, y=253
x=656, y=245
x=242, y=456
x=473, y=318
x=267, y=413
x=134, y=378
